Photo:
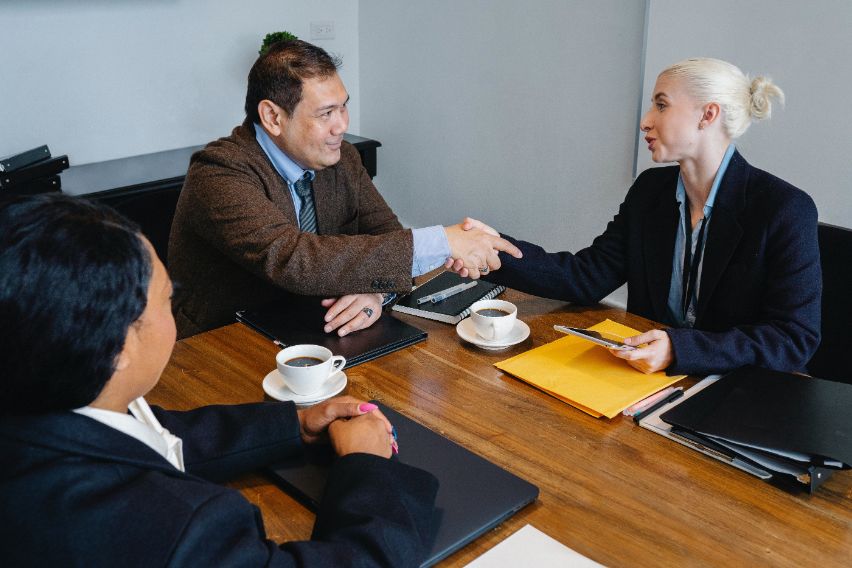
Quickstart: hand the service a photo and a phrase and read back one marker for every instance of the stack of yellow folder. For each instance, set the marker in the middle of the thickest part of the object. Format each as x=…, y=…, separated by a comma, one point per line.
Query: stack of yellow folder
x=586, y=375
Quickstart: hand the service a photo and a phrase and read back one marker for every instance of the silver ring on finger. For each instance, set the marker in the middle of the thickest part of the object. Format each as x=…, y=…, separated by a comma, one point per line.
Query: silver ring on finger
x=484, y=270
x=367, y=310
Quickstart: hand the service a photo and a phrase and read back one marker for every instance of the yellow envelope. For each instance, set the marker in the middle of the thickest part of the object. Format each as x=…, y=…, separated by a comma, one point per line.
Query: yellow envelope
x=586, y=375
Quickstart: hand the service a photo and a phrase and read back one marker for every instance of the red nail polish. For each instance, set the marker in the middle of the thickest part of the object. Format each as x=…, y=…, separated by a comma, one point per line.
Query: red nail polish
x=367, y=407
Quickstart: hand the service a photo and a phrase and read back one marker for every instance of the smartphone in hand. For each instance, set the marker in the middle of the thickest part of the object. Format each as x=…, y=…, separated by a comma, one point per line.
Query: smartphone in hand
x=605, y=339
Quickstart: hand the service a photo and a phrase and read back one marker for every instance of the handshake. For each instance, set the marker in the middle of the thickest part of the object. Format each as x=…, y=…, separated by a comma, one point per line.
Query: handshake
x=474, y=247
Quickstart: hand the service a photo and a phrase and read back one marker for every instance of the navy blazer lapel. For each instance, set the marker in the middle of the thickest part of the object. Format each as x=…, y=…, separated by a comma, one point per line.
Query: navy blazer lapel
x=725, y=229
x=73, y=433
x=658, y=240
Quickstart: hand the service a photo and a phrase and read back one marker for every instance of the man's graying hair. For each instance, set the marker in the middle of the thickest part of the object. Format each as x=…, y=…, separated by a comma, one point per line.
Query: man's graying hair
x=277, y=75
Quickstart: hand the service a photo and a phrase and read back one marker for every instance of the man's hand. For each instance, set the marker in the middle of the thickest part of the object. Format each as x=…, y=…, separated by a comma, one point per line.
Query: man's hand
x=352, y=312
x=470, y=223
x=653, y=357
x=315, y=423
x=473, y=250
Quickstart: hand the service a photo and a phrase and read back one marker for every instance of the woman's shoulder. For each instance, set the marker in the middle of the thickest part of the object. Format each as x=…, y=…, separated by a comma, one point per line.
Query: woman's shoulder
x=772, y=192
x=653, y=184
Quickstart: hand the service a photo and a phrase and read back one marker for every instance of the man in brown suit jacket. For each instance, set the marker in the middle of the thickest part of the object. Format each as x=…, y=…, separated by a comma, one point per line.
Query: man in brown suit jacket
x=245, y=230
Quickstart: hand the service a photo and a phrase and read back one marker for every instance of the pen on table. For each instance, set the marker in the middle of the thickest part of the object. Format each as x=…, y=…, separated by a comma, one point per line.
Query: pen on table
x=648, y=401
x=444, y=294
x=676, y=394
x=278, y=343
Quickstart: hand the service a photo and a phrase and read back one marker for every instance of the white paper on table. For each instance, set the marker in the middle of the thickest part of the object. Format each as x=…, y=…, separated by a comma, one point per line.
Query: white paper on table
x=531, y=547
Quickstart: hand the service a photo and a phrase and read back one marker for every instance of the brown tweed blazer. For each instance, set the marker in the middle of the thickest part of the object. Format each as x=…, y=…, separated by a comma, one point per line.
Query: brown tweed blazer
x=235, y=241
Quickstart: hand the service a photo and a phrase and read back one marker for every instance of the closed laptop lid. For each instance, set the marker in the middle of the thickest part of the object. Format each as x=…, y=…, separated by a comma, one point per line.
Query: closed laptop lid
x=293, y=320
x=474, y=494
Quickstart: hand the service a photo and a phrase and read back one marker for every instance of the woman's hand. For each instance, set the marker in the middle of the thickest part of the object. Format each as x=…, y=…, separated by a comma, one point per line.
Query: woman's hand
x=653, y=357
x=314, y=422
x=365, y=434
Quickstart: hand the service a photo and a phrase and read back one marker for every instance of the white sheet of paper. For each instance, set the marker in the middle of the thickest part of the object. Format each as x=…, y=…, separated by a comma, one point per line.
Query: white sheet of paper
x=531, y=547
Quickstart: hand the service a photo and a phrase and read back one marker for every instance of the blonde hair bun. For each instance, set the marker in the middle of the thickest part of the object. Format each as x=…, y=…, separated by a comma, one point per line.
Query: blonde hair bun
x=762, y=91
x=741, y=99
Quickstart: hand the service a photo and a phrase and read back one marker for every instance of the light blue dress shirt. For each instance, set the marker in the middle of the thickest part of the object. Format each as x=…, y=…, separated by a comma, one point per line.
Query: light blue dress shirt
x=675, y=301
x=431, y=248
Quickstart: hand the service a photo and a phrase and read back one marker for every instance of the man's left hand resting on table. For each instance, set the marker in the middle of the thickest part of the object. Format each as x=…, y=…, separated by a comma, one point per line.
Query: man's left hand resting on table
x=352, y=312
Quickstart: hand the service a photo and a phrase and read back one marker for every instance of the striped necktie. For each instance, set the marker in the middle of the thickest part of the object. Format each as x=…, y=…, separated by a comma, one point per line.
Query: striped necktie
x=307, y=214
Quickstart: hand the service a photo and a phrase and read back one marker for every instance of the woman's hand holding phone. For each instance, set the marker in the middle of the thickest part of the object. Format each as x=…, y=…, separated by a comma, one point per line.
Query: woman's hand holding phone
x=655, y=353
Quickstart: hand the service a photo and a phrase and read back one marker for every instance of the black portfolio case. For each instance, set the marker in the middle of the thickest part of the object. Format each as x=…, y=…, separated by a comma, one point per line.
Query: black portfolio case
x=773, y=414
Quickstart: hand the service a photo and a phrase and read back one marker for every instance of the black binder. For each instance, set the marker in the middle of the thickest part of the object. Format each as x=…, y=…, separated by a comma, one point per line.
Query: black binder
x=292, y=323
x=769, y=414
x=41, y=169
x=40, y=185
x=23, y=159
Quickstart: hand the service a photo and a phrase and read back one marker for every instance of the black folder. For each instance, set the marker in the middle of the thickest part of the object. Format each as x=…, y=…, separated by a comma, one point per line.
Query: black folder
x=24, y=159
x=772, y=413
x=42, y=169
x=292, y=323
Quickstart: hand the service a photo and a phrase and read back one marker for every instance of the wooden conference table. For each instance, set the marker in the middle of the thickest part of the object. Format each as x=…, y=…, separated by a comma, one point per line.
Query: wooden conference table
x=610, y=490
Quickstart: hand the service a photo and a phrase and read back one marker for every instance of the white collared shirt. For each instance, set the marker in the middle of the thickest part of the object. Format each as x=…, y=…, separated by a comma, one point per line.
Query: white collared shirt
x=143, y=426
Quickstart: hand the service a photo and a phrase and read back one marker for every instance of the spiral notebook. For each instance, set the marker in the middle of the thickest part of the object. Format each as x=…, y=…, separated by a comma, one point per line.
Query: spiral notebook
x=453, y=309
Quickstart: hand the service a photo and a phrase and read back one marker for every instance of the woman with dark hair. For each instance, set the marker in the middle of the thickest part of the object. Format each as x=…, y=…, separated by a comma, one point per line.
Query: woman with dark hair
x=87, y=327
x=723, y=253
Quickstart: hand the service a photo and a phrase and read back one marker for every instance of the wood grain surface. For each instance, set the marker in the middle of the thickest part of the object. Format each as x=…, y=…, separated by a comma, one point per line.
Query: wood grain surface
x=617, y=493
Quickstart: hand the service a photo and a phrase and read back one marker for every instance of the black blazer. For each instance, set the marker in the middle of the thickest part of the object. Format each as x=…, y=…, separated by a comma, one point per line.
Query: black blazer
x=75, y=492
x=759, y=301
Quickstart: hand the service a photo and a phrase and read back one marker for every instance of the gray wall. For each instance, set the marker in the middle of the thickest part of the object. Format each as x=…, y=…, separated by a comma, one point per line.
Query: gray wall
x=520, y=113
x=97, y=79
x=806, y=48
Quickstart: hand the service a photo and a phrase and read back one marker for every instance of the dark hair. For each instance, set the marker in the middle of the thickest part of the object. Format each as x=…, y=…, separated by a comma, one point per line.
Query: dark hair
x=277, y=75
x=74, y=276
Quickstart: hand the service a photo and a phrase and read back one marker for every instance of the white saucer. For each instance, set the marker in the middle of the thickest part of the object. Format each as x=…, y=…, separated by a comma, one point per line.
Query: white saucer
x=273, y=385
x=467, y=331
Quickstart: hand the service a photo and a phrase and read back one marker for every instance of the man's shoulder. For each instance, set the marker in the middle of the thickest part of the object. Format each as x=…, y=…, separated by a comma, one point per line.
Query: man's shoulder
x=238, y=147
x=237, y=158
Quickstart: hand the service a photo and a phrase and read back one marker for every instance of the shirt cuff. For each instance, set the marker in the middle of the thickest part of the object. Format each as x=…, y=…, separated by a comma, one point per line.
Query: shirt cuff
x=431, y=249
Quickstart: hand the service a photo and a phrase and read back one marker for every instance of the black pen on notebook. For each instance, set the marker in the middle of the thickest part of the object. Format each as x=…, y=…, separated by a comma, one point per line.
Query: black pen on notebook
x=444, y=294
x=657, y=405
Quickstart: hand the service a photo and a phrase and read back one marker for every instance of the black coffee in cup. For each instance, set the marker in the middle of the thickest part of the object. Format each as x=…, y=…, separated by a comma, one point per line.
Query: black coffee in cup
x=303, y=361
x=492, y=312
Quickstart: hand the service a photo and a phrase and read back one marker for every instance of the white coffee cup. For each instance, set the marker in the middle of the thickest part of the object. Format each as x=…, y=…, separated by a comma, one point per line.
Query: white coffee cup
x=488, y=321
x=306, y=368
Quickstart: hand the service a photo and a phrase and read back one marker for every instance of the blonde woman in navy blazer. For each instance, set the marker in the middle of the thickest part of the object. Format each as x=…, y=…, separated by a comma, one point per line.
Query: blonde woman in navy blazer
x=753, y=294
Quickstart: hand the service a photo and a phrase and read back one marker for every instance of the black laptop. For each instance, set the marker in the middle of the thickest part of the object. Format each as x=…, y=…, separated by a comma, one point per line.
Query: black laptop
x=474, y=495
x=290, y=322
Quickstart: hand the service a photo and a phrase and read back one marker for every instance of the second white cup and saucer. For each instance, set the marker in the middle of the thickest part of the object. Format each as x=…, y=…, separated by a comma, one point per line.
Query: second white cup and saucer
x=493, y=325
x=305, y=374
